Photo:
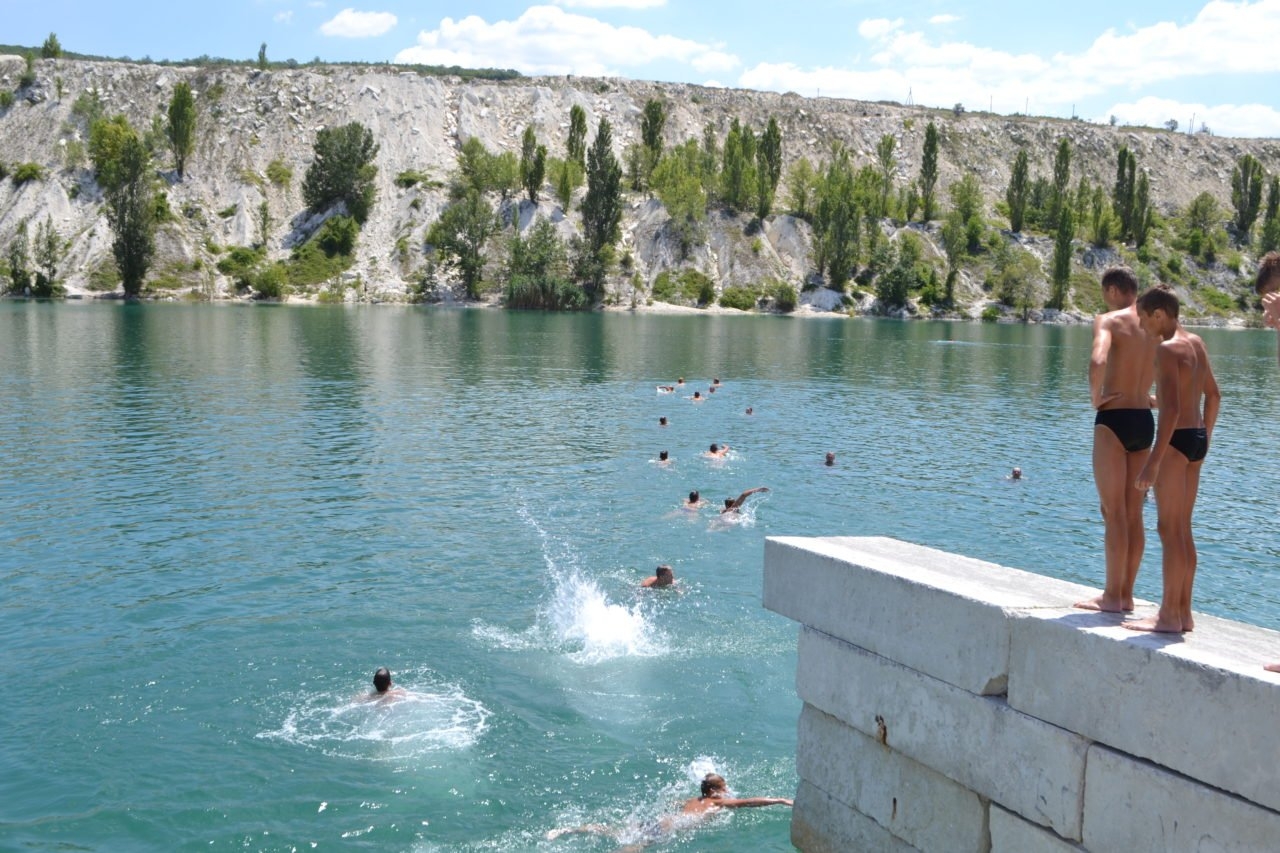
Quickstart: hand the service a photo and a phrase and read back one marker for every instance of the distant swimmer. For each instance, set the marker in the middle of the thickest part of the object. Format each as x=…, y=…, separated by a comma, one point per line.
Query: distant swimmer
x=697, y=397
x=666, y=389
x=694, y=811
x=662, y=421
x=1015, y=474
x=662, y=576
x=831, y=459
x=711, y=390
x=750, y=411
x=715, y=382
x=694, y=501
x=680, y=381
x=382, y=688
x=735, y=504
x=718, y=451
x=664, y=458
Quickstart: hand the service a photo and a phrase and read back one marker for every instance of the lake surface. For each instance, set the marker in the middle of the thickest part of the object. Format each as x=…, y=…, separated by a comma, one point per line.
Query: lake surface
x=219, y=520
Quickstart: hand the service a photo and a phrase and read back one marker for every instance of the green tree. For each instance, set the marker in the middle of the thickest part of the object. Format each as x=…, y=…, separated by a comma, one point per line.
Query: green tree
x=537, y=271
x=837, y=222
x=801, y=188
x=1122, y=195
x=131, y=213
x=1016, y=193
x=885, y=162
x=966, y=197
x=1017, y=277
x=1271, y=219
x=709, y=169
x=533, y=164
x=1101, y=220
x=1061, y=182
x=19, y=256
x=460, y=235
x=107, y=138
x=955, y=244
x=264, y=222
x=342, y=171
x=929, y=172
x=678, y=184
x=1062, y=260
x=181, y=129
x=1247, y=179
x=602, y=206
x=768, y=167
x=576, y=149
x=51, y=49
x=737, y=175
x=262, y=57
x=902, y=274
x=1143, y=214
x=48, y=251
x=652, y=122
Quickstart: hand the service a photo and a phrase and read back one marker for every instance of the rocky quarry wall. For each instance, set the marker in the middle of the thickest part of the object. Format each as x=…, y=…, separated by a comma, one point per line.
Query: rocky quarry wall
x=956, y=705
x=249, y=118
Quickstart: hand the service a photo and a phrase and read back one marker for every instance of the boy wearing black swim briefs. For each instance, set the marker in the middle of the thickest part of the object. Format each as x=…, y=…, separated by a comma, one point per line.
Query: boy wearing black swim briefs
x=1183, y=379
x=1121, y=371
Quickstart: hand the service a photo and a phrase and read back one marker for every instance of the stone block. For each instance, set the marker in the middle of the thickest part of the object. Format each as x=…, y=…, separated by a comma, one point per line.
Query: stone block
x=1198, y=703
x=938, y=613
x=1012, y=834
x=822, y=824
x=1030, y=767
x=1134, y=805
x=911, y=801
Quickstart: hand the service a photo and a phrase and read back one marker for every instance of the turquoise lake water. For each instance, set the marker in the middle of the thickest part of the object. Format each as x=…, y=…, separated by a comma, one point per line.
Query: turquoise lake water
x=219, y=520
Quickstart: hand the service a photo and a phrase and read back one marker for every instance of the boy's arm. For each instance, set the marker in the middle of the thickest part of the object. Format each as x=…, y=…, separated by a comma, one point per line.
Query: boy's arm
x=752, y=802
x=1167, y=390
x=1212, y=399
x=1098, y=360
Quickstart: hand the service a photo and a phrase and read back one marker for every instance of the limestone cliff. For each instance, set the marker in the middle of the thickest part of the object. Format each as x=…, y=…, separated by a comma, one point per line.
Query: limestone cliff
x=249, y=118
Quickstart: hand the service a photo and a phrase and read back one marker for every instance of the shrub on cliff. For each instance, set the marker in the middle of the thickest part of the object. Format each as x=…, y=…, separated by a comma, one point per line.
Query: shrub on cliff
x=342, y=170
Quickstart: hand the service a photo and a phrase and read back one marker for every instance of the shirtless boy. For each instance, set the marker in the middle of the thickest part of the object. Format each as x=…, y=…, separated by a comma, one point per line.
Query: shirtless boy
x=1121, y=371
x=1183, y=378
x=1267, y=285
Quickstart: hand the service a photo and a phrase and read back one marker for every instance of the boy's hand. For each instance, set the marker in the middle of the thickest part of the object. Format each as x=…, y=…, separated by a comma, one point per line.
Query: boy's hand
x=1147, y=476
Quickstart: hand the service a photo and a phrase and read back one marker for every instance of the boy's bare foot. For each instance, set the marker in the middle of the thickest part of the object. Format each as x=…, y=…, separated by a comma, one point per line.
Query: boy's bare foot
x=1106, y=604
x=1156, y=625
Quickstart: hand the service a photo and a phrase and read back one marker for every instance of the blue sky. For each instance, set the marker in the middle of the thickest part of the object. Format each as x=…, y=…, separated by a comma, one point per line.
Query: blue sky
x=1144, y=62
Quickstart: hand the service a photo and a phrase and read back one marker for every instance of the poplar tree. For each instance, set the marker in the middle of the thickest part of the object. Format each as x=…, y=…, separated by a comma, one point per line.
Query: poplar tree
x=929, y=172
x=1016, y=194
x=131, y=214
x=885, y=162
x=768, y=167
x=182, y=126
x=652, y=122
x=1123, y=193
x=576, y=148
x=1061, y=181
x=602, y=205
x=1143, y=216
x=533, y=164
x=1271, y=219
x=1062, y=260
x=1247, y=179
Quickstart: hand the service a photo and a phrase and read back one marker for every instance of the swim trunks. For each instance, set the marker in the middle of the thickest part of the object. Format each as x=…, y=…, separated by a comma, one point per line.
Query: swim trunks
x=1135, y=428
x=1192, y=443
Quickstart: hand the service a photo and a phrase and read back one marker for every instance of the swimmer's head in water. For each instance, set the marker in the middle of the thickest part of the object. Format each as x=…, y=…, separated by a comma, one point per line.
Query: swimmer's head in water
x=728, y=502
x=697, y=395
x=748, y=410
x=664, y=575
x=662, y=421
x=382, y=680
x=715, y=448
x=663, y=456
x=694, y=496
x=1017, y=473
x=713, y=784
x=831, y=458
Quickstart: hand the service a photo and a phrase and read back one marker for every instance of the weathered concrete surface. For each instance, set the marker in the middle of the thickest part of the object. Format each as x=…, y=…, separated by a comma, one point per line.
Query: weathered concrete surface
x=822, y=824
x=1134, y=805
x=938, y=613
x=1012, y=834
x=1029, y=766
x=911, y=801
x=1200, y=704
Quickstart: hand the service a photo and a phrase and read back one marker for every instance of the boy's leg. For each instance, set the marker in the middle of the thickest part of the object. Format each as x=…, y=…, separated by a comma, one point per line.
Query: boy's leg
x=1137, y=535
x=1174, y=509
x=1113, y=480
x=1192, y=490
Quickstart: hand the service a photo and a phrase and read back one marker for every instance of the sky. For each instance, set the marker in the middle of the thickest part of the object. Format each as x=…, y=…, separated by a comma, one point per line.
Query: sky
x=1214, y=64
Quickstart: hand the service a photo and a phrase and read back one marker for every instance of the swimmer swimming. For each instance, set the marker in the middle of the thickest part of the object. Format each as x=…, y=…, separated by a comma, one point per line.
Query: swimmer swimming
x=735, y=504
x=382, y=688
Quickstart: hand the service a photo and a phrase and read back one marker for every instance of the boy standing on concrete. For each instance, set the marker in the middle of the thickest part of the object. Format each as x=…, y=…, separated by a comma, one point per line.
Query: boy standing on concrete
x=1183, y=379
x=1121, y=370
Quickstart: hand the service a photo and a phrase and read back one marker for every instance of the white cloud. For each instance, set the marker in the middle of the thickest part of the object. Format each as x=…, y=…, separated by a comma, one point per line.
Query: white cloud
x=875, y=28
x=548, y=40
x=1224, y=37
x=352, y=24
x=944, y=19
x=285, y=17
x=1222, y=119
x=610, y=4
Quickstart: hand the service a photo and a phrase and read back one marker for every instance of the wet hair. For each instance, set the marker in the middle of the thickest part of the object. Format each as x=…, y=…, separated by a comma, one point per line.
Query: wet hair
x=831, y=458
x=662, y=421
x=711, y=390
x=693, y=496
x=1121, y=278
x=715, y=381
x=1162, y=297
x=663, y=456
x=728, y=502
x=713, y=782
x=715, y=448
x=382, y=679
x=663, y=571
x=697, y=394
x=1268, y=273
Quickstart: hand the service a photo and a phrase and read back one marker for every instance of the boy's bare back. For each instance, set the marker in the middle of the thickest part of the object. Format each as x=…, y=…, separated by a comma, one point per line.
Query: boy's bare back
x=1129, y=368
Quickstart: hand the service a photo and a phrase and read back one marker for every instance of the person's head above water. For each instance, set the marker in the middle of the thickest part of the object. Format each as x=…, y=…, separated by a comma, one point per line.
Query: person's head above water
x=382, y=680
x=665, y=576
x=697, y=395
x=715, y=448
x=662, y=456
x=831, y=458
x=1017, y=474
x=662, y=421
x=713, y=784
x=694, y=497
